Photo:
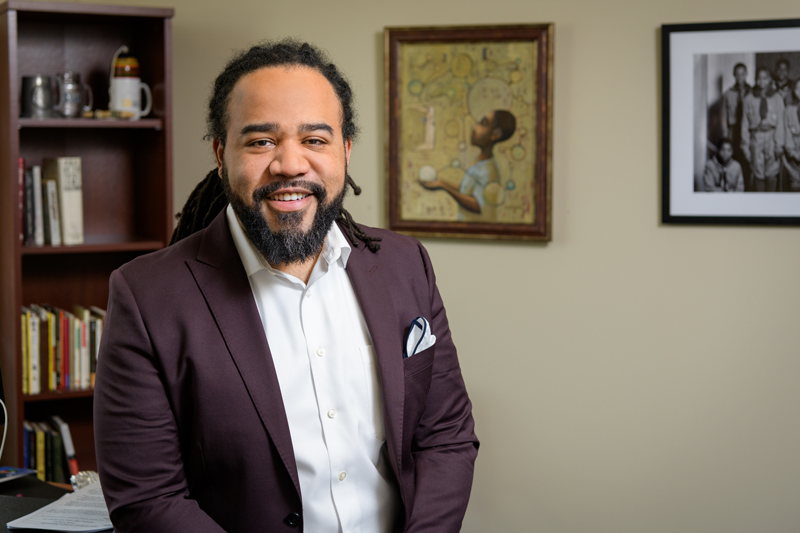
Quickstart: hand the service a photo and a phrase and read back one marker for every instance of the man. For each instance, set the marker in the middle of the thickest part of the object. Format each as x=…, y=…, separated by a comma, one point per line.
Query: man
x=791, y=156
x=478, y=193
x=763, y=132
x=732, y=108
x=253, y=374
x=783, y=85
x=723, y=173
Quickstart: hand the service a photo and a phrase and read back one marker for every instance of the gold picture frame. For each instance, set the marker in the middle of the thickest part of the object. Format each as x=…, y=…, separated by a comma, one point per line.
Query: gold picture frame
x=469, y=114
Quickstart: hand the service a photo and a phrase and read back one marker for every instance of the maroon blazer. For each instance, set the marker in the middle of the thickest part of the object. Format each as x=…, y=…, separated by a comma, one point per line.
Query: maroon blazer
x=190, y=429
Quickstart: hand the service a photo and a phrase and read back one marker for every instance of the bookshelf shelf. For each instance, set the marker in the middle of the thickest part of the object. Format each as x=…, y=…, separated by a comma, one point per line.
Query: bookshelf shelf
x=57, y=395
x=126, y=174
x=86, y=248
x=144, y=123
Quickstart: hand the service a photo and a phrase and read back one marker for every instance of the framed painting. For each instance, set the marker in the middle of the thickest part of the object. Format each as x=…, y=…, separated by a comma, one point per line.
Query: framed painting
x=469, y=118
x=731, y=123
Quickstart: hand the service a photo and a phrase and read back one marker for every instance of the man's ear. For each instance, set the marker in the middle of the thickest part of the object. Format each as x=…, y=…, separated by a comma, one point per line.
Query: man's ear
x=497, y=133
x=348, y=145
x=219, y=150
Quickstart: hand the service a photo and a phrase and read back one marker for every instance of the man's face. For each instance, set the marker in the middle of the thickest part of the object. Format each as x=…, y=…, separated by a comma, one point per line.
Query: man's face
x=725, y=153
x=740, y=75
x=482, y=131
x=284, y=152
x=782, y=72
x=764, y=79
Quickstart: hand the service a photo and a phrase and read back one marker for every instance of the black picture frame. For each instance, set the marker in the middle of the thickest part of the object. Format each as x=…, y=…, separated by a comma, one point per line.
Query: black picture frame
x=696, y=76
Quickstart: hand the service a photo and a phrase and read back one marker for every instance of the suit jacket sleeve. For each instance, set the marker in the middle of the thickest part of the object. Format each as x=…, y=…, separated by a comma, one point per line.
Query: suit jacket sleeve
x=444, y=445
x=136, y=434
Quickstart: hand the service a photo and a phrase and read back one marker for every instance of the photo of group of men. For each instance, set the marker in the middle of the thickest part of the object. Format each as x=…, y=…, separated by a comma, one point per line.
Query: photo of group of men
x=750, y=120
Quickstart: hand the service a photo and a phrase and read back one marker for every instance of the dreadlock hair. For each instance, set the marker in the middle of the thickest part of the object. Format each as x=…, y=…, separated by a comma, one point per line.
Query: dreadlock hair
x=208, y=198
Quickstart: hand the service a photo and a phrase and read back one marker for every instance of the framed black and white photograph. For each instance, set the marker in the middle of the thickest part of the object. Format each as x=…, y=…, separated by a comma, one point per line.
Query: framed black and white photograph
x=731, y=122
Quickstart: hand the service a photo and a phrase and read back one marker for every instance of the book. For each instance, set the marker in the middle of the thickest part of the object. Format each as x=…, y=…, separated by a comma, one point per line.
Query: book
x=97, y=318
x=34, y=356
x=66, y=349
x=66, y=171
x=48, y=451
x=85, y=316
x=31, y=446
x=52, y=227
x=7, y=473
x=38, y=215
x=41, y=452
x=28, y=208
x=69, y=448
x=21, y=198
x=44, y=347
x=25, y=348
x=27, y=431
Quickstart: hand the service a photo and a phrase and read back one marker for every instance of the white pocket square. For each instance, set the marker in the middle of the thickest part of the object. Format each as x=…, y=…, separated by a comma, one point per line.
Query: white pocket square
x=419, y=337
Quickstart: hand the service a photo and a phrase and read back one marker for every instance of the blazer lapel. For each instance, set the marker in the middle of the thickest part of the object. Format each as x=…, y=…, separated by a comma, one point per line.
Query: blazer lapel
x=378, y=308
x=223, y=281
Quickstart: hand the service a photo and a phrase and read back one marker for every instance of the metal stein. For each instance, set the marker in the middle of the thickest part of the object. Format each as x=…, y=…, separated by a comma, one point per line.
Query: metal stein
x=72, y=95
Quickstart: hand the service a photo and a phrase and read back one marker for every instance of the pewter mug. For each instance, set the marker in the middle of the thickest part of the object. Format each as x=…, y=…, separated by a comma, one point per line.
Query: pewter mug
x=71, y=95
x=36, y=97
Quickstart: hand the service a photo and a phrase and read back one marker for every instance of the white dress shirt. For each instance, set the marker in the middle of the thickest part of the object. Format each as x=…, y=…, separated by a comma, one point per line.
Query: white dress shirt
x=325, y=362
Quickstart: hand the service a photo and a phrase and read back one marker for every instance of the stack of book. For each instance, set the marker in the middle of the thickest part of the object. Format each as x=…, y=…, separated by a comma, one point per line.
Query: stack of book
x=59, y=348
x=51, y=202
x=48, y=449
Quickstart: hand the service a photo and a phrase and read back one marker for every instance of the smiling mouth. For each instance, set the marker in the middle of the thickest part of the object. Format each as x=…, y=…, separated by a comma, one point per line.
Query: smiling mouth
x=289, y=196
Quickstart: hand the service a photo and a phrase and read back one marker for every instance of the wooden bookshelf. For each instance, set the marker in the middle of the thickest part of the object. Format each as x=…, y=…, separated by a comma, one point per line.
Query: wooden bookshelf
x=126, y=172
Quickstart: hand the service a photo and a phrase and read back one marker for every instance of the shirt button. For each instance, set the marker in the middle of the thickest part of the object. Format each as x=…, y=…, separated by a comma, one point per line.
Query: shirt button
x=320, y=351
x=342, y=475
x=332, y=413
x=308, y=293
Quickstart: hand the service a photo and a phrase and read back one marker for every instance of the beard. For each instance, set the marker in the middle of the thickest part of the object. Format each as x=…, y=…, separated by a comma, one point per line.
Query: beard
x=289, y=243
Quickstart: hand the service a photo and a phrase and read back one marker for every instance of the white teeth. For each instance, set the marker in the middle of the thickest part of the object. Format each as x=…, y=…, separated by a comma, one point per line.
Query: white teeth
x=288, y=197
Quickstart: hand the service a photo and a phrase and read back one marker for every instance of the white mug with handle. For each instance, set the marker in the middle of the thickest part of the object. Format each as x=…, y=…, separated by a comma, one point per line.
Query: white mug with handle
x=126, y=97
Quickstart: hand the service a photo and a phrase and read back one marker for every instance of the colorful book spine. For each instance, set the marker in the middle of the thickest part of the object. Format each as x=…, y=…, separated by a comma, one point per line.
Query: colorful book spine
x=41, y=452
x=34, y=356
x=21, y=199
x=29, y=229
x=69, y=448
x=53, y=223
x=38, y=214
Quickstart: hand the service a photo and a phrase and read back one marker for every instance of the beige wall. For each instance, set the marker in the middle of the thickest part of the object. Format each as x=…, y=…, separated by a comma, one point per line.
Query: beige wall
x=627, y=376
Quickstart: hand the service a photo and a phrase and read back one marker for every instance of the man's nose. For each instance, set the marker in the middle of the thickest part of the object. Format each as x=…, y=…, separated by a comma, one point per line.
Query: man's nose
x=289, y=161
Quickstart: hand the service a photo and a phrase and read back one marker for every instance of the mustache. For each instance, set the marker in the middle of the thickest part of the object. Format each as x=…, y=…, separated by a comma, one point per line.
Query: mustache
x=271, y=188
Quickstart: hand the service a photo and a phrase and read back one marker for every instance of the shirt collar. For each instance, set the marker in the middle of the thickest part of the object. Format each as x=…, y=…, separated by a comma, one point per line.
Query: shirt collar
x=334, y=247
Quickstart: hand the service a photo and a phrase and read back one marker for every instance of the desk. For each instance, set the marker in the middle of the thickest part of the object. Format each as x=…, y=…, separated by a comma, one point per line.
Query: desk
x=35, y=495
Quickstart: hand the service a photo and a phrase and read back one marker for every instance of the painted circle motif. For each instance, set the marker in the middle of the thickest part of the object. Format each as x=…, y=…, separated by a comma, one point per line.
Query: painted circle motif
x=462, y=65
x=487, y=95
x=518, y=152
x=415, y=87
x=427, y=173
x=493, y=193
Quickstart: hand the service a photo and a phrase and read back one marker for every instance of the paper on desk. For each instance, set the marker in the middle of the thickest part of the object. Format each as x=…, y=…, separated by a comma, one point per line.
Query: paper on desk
x=83, y=510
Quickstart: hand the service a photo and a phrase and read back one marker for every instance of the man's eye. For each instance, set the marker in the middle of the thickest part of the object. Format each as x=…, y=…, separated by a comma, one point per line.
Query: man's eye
x=260, y=142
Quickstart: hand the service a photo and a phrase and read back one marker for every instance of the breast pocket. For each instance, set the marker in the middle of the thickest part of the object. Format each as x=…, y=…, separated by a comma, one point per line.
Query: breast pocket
x=374, y=392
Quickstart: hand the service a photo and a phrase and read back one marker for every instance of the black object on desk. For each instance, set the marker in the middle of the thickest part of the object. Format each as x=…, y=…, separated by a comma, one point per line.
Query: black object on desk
x=35, y=494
